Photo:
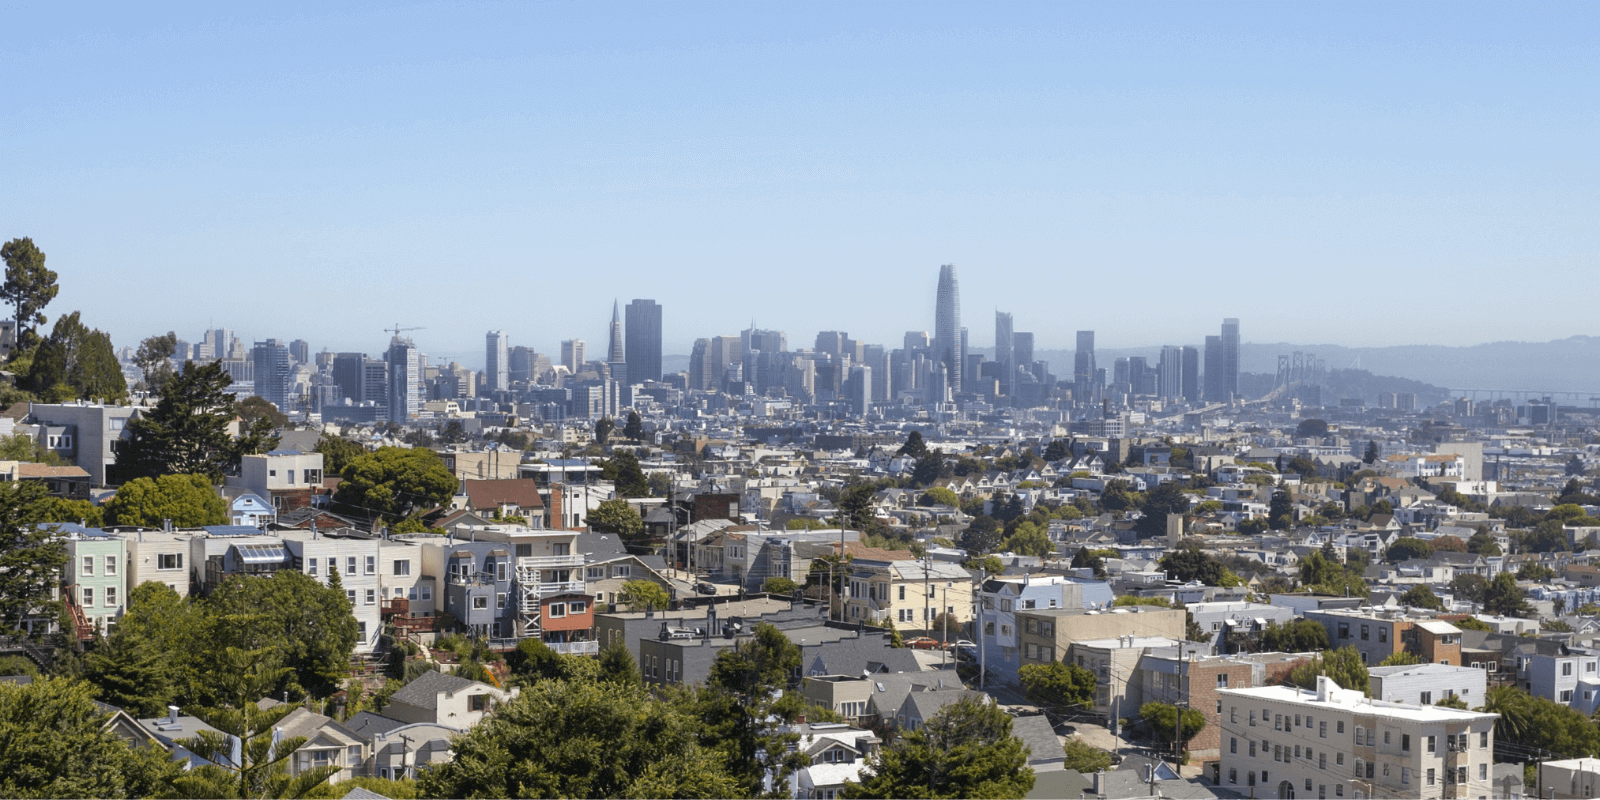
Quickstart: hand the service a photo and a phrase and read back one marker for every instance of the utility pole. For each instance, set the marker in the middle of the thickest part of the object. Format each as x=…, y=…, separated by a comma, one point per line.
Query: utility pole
x=982, y=653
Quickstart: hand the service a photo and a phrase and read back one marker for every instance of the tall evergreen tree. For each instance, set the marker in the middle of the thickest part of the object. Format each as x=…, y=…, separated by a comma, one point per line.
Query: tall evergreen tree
x=77, y=363
x=31, y=556
x=187, y=431
x=966, y=750
x=29, y=286
x=1371, y=455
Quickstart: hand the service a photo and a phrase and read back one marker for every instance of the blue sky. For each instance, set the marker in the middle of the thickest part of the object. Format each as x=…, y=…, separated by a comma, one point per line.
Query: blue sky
x=1356, y=173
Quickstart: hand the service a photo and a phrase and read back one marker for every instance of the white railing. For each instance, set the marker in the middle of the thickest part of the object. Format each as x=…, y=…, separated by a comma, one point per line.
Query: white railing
x=575, y=648
x=549, y=562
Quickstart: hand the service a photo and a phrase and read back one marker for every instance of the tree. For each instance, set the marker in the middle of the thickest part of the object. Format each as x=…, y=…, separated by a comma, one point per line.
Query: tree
x=1168, y=498
x=262, y=767
x=855, y=507
x=914, y=447
x=940, y=496
x=966, y=750
x=988, y=565
x=1503, y=597
x=1469, y=587
x=253, y=408
x=1117, y=496
x=929, y=468
x=77, y=363
x=603, y=429
x=582, y=739
x=1575, y=465
x=1029, y=540
x=1401, y=658
x=1420, y=596
x=154, y=359
x=617, y=517
x=132, y=675
x=1483, y=544
x=1406, y=548
x=308, y=623
x=1280, y=510
x=1371, y=454
x=31, y=557
x=778, y=584
x=742, y=700
x=982, y=536
x=1311, y=429
x=29, y=285
x=1330, y=577
x=617, y=665
x=1058, y=688
x=634, y=429
x=1300, y=636
x=187, y=431
x=624, y=470
x=337, y=453
x=1057, y=450
x=639, y=594
x=1191, y=564
x=1086, y=758
x=188, y=501
x=1343, y=666
x=1540, y=724
x=1534, y=571
x=1091, y=559
x=56, y=745
x=22, y=447
x=393, y=482
x=1163, y=721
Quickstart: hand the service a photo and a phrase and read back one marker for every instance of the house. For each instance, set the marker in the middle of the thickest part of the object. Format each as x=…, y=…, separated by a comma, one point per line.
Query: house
x=96, y=581
x=504, y=498
x=1427, y=684
x=397, y=749
x=838, y=753
x=434, y=697
x=67, y=482
x=287, y=479
x=909, y=593
x=248, y=509
x=327, y=744
x=86, y=434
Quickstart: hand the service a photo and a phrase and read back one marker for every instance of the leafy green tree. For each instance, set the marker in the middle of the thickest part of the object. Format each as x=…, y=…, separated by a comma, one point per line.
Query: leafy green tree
x=394, y=482
x=617, y=665
x=639, y=595
x=154, y=359
x=1029, y=540
x=1330, y=577
x=1191, y=564
x=22, y=447
x=855, y=507
x=1401, y=658
x=1541, y=724
x=966, y=750
x=1420, y=596
x=635, y=428
x=930, y=467
x=254, y=408
x=337, y=453
x=623, y=468
x=77, y=363
x=1343, y=666
x=189, y=501
x=59, y=509
x=309, y=623
x=1483, y=544
x=1280, y=510
x=1311, y=429
x=1534, y=571
x=940, y=496
x=1058, y=688
x=741, y=702
x=1300, y=636
x=56, y=745
x=186, y=433
x=988, y=565
x=31, y=556
x=1057, y=450
x=1371, y=454
x=603, y=429
x=1406, y=548
x=982, y=536
x=1168, y=498
x=1163, y=721
x=132, y=675
x=29, y=285
x=1086, y=758
x=1503, y=597
x=262, y=769
x=1118, y=496
x=914, y=447
x=617, y=517
x=581, y=739
x=778, y=584
x=1469, y=587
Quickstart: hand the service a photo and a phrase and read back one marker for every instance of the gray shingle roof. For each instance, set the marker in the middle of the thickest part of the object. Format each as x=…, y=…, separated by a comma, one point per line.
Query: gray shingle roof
x=423, y=691
x=1041, y=739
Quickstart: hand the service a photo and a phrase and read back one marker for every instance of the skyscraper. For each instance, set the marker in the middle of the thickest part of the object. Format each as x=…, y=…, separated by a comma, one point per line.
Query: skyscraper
x=1085, y=380
x=1002, y=350
x=614, y=354
x=1191, y=374
x=271, y=360
x=405, y=379
x=947, y=327
x=497, y=368
x=644, y=341
x=1022, y=353
x=700, y=365
x=572, y=355
x=1215, y=388
x=1169, y=377
x=521, y=366
x=1230, y=356
x=300, y=351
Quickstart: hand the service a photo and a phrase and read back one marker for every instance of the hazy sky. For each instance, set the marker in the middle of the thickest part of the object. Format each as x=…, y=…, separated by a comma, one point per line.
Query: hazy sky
x=1358, y=173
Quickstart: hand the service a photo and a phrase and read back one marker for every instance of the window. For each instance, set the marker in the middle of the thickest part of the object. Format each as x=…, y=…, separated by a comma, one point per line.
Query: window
x=111, y=565
x=1252, y=719
x=558, y=610
x=427, y=592
x=1359, y=731
x=1233, y=774
x=1338, y=758
x=372, y=596
x=1429, y=780
x=175, y=561
x=372, y=565
x=1322, y=729
x=1427, y=698
x=1363, y=631
x=1483, y=738
x=333, y=565
x=1277, y=722
x=1483, y=771
x=903, y=596
x=1566, y=669
x=88, y=565
x=1405, y=774
x=88, y=597
x=290, y=475
x=598, y=573
x=1322, y=761
x=500, y=571
x=361, y=629
x=1566, y=696
x=350, y=565
x=1385, y=737
x=1297, y=751
x=1383, y=634
x=624, y=570
x=1252, y=747
x=480, y=702
x=1297, y=721
x=577, y=607
x=402, y=566
x=111, y=596
x=1233, y=743
x=1338, y=790
x=480, y=602
x=350, y=594
x=500, y=600
x=1344, y=633
x=1340, y=727
x=1461, y=774
x=1370, y=735
x=1405, y=742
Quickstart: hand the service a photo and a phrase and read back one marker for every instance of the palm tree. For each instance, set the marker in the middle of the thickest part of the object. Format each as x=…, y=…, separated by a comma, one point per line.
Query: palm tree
x=1515, y=710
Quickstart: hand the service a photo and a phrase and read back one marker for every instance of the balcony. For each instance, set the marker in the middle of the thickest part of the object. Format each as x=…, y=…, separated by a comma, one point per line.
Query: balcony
x=575, y=648
x=548, y=562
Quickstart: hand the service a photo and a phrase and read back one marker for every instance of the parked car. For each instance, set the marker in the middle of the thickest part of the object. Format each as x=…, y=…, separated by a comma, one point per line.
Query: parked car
x=924, y=643
x=705, y=588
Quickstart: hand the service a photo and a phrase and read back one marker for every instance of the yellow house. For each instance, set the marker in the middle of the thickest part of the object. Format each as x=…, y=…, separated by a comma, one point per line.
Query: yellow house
x=909, y=593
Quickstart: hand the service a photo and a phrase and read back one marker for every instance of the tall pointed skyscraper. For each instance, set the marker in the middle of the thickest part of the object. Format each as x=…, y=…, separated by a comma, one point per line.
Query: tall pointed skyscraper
x=947, y=327
x=614, y=355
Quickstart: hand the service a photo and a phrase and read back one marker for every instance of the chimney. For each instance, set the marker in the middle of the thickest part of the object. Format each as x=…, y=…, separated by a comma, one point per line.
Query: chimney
x=1323, y=690
x=172, y=715
x=1099, y=786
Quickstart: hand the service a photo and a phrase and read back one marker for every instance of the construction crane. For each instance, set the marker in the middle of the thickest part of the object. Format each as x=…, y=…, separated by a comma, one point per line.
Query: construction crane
x=397, y=330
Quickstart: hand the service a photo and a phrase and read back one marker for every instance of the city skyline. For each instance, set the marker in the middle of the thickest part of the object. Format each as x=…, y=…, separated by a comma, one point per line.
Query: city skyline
x=1197, y=158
